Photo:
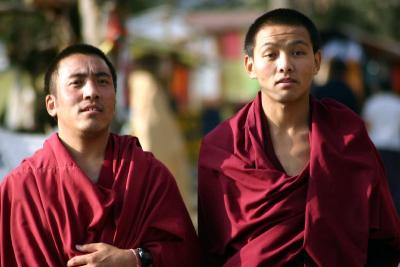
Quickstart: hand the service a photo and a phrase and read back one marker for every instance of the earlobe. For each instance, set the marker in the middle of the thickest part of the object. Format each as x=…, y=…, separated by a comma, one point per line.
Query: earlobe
x=51, y=105
x=249, y=65
x=317, y=58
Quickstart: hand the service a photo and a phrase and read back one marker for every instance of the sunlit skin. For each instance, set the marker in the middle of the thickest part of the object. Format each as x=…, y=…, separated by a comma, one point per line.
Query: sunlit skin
x=84, y=103
x=285, y=64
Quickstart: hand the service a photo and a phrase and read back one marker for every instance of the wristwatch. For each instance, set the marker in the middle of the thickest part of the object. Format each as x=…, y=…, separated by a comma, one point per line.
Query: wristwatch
x=145, y=257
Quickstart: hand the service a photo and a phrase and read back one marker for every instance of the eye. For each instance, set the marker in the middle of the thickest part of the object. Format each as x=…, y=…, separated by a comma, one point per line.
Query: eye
x=298, y=53
x=270, y=55
x=76, y=83
x=103, y=81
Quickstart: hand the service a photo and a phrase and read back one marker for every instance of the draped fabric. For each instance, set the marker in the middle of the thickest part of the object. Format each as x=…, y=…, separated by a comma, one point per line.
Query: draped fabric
x=48, y=205
x=336, y=212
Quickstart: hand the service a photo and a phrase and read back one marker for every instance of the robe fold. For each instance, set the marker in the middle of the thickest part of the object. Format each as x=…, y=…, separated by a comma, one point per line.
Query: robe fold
x=336, y=212
x=48, y=205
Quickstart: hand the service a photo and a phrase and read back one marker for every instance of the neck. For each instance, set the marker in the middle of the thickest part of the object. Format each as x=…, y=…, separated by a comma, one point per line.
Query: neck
x=286, y=116
x=87, y=151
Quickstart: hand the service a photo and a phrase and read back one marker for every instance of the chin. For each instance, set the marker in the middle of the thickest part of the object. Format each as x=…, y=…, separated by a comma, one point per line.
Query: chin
x=291, y=98
x=94, y=130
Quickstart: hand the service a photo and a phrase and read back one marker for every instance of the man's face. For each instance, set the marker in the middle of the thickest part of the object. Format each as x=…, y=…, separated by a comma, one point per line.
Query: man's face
x=283, y=62
x=84, y=101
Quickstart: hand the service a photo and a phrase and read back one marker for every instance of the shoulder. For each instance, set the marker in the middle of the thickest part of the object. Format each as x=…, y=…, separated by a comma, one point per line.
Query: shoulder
x=338, y=124
x=224, y=134
x=340, y=127
x=24, y=179
x=220, y=134
x=127, y=148
x=21, y=170
x=123, y=142
x=334, y=112
x=331, y=105
x=38, y=160
x=18, y=182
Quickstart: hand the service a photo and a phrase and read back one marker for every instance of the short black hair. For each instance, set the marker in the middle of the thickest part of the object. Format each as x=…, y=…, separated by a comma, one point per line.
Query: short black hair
x=74, y=49
x=284, y=16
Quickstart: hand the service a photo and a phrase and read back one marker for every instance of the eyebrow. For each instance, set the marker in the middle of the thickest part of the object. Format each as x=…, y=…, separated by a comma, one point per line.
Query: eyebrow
x=296, y=42
x=102, y=74
x=291, y=43
x=84, y=74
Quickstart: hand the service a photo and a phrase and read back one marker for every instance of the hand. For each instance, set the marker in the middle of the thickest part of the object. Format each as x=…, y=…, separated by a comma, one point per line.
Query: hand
x=102, y=255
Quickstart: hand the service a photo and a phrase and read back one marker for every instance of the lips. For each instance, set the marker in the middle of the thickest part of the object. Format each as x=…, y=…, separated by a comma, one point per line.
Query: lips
x=91, y=108
x=286, y=81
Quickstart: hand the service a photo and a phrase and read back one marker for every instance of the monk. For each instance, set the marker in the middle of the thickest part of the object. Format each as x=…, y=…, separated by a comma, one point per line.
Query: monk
x=290, y=180
x=90, y=197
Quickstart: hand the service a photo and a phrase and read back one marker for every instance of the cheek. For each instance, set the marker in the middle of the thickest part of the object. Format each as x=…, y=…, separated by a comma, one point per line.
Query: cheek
x=264, y=69
x=308, y=69
x=111, y=99
x=112, y=95
x=70, y=98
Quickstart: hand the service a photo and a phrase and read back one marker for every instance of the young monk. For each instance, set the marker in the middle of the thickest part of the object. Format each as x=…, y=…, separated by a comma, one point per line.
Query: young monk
x=90, y=197
x=289, y=180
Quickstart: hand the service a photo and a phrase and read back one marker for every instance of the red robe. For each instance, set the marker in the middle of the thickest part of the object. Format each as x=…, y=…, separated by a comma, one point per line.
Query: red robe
x=336, y=212
x=47, y=206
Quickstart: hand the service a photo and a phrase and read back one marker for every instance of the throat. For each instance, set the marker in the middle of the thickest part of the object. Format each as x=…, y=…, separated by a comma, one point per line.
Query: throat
x=91, y=168
x=93, y=175
x=292, y=151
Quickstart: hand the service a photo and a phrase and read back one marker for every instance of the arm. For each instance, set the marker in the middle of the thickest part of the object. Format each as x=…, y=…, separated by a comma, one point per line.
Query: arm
x=165, y=228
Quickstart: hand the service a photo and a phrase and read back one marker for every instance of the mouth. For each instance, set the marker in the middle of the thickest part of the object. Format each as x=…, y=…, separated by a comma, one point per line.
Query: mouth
x=287, y=81
x=91, y=108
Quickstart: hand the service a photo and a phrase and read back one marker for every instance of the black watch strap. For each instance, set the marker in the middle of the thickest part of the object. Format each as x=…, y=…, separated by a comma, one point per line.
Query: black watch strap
x=145, y=257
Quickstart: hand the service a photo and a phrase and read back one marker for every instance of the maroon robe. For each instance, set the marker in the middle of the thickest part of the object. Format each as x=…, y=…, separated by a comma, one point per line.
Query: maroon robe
x=48, y=205
x=336, y=212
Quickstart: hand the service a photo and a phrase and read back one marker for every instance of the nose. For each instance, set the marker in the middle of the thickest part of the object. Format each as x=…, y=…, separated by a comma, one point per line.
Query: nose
x=90, y=90
x=284, y=63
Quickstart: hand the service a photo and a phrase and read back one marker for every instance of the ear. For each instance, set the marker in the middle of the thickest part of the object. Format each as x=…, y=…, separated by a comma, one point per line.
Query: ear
x=51, y=105
x=317, y=59
x=249, y=66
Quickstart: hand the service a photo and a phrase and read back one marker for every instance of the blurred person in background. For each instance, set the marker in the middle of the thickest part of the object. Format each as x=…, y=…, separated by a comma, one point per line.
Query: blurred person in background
x=381, y=112
x=90, y=197
x=153, y=121
x=336, y=87
x=290, y=180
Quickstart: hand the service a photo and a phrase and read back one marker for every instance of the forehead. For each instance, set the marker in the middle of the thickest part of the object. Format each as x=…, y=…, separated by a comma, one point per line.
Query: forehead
x=83, y=64
x=277, y=34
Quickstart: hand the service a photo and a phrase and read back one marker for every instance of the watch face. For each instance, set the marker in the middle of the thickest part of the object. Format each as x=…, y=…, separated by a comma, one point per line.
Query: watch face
x=140, y=252
x=145, y=257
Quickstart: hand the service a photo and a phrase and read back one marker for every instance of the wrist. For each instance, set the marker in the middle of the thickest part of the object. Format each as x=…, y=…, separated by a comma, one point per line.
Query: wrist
x=137, y=262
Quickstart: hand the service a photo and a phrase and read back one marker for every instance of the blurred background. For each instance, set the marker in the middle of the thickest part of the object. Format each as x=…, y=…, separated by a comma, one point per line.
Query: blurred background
x=180, y=69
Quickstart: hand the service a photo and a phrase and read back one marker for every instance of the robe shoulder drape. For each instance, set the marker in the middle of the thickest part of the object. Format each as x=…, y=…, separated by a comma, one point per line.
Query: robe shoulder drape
x=336, y=212
x=48, y=205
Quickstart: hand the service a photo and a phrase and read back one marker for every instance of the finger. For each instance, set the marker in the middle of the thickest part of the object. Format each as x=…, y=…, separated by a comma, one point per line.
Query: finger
x=78, y=261
x=91, y=247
